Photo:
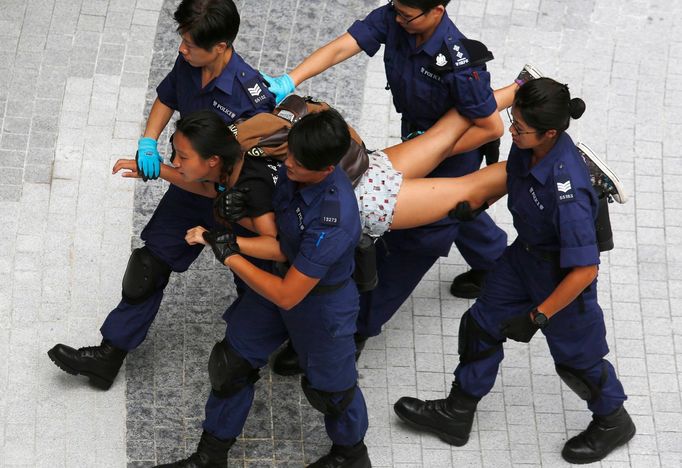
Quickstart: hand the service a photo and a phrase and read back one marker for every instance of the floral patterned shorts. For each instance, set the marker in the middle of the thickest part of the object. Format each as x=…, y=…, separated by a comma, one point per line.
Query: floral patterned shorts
x=377, y=193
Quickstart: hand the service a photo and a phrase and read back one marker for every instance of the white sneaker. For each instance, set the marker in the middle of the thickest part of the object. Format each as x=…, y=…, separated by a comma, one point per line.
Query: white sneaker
x=527, y=73
x=604, y=180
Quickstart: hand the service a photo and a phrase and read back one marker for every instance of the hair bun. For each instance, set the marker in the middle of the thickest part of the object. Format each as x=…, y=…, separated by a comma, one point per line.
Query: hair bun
x=576, y=108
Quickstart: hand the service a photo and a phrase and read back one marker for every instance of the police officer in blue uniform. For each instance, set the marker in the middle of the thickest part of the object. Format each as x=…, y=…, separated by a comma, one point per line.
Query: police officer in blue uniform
x=311, y=298
x=208, y=74
x=430, y=67
x=546, y=280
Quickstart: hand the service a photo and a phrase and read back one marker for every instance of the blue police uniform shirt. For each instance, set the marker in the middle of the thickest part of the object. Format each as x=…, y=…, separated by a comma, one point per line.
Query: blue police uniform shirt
x=318, y=226
x=553, y=204
x=428, y=80
x=238, y=92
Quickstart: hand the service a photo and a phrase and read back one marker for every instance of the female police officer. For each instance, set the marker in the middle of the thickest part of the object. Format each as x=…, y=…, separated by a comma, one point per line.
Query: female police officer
x=312, y=299
x=545, y=280
x=430, y=67
x=208, y=74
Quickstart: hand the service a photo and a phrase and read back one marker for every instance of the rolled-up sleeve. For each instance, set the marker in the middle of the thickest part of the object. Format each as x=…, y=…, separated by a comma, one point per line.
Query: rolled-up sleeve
x=475, y=98
x=320, y=249
x=167, y=89
x=371, y=32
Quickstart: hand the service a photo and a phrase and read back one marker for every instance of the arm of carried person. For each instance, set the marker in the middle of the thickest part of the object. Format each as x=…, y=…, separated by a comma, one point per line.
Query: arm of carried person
x=482, y=131
x=168, y=173
x=284, y=292
x=568, y=290
x=263, y=224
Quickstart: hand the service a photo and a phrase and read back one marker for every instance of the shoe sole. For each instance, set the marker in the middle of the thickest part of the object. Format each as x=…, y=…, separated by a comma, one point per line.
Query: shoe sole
x=585, y=461
x=534, y=72
x=586, y=152
x=444, y=436
x=95, y=380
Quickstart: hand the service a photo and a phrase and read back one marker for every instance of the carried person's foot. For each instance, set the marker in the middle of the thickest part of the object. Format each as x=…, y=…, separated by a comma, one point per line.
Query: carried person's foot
x=602, y=436
x=211, y=453
x=345, y=456
x=99, y=363
x=450, y=418
x=527, y=73
x=468, y=285
x=604, y=180
x=286, y=361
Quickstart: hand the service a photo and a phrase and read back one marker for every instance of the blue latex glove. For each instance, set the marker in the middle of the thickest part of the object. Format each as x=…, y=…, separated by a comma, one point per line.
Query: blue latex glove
x=148, y=159
x=280, y=86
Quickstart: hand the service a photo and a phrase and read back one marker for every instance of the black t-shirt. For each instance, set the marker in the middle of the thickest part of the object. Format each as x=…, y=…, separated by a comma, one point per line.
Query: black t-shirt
x=259, y=174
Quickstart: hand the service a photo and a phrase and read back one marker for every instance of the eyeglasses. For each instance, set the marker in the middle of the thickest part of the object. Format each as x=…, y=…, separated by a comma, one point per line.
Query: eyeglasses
x=517, y=129
x=407, y=19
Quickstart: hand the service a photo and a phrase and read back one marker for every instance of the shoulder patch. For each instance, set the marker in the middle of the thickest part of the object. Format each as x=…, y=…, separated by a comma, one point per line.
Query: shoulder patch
x=564, y=188
x=330, y=211
x=255, y=89
x=476, y=52
x=460, y=55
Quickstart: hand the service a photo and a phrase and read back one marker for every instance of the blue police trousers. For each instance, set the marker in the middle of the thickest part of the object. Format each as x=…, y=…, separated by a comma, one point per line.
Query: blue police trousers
x=164, y=235
x=321, y=329
x=576, y=335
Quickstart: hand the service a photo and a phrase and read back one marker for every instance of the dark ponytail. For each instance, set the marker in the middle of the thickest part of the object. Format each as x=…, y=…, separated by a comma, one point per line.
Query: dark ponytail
x=209, y=136
x=545, y=104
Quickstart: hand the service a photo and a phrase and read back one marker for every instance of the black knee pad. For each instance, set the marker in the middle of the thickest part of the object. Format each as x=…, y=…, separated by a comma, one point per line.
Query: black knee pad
x=324, y=401
x=579, y=383
x=143, y=275
x=229, y=372
x=469, y=333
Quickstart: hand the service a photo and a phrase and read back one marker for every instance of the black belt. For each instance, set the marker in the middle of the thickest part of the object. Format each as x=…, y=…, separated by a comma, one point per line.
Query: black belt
x=547, y=255
x=281, y=269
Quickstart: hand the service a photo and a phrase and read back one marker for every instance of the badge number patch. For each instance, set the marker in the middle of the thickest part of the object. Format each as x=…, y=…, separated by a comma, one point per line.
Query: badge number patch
x=564, y=189
x=255, y=91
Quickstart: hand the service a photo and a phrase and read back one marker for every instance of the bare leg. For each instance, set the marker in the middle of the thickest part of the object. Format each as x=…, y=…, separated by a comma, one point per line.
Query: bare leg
x=424, y=201
x=421, y=155
x=475, y=136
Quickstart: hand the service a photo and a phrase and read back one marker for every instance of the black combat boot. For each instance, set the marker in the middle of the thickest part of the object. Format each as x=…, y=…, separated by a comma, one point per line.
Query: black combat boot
x=345, y=456
x=211, y=453
x=450, y=418
x=99, y=363
x=602, y=436
x=286, y=361
x=468, y=285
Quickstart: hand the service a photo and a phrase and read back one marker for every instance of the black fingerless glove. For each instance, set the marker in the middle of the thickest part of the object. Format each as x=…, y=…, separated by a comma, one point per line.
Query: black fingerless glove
x=223, y=242
x=519, y=328
x=231, y=204
x=463, y=211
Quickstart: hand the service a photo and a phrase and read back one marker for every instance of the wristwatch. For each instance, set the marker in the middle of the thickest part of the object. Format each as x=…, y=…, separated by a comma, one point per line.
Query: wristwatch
x=539, y=318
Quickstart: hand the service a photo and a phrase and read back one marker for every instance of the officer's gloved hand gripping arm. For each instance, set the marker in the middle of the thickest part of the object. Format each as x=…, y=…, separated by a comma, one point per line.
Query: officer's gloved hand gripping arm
x=336, y=51
x=148, y=158
x=284, y=292
x=523, y=327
